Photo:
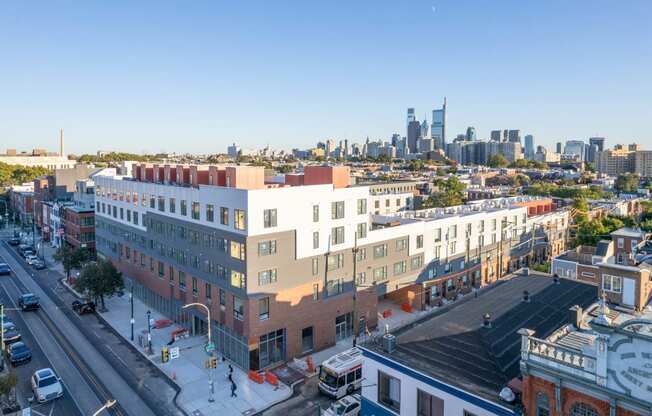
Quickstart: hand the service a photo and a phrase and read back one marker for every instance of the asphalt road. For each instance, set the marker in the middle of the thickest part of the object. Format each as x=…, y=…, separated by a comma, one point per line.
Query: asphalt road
x=33, y=334
x=140, y=388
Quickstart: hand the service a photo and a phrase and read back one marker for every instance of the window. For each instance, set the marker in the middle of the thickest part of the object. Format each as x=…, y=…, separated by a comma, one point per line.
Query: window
x=222, y=297
x=401, y=244
x=269, y=218
x=361, y=278
x=416, y=262
x=263, y=309
x=237, y=250
x=152, y=201
x=122, y=213
x=543, y=404
x=335, y=261
x=266, y=248
x=337, y=210
x=315, y=266
x=161, y=203
x=315, y=239
x=128, y=215
x=266, y=277
x=361, y=231
x=429, y=405
x=224, y=216
x=195, y=210
x=334, y=287
x=583, y=409
x=239, y=219
x=161, y=269
x=621, y=242
x=315, y=291
x=315, y=213
x=362, y=206
x=389, y=392
x=437, y=252
x=467, y=413
x=210, y=212
x=172, y=205
x=437, y=235
x=380, y=274
x=380, y=251
x=361, y=254
x=387, y=202
x=238, y=279
x=493, y=225
x=452, y=232
x=184, y=207
x=182, y=280
x=238, y=308
x=209, y=291
x=194, y=286
x=420, y=241
x=453, y=248
x=376, y=204
x=337, y=235
x=400, y=267
x=611, y=283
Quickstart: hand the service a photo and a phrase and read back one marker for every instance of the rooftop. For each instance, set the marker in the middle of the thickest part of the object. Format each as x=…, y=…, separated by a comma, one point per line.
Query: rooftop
x=454, y=346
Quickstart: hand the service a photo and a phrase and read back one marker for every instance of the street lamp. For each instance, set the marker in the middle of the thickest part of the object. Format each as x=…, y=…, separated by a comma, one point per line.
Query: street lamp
x=211, y=387
x=109, y=404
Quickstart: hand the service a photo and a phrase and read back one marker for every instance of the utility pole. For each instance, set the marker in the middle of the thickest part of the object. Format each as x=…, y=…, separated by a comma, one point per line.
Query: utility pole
x=131, y=300
x=355, y=290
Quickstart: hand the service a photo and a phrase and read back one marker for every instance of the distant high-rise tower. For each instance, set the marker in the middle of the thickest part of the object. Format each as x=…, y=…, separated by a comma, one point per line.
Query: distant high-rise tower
x=495, y=135
x=596, y=144
x=61, y=142
x=514, y=136
x=558, y=148
x=438, y=127
x=529, y=146
x=424, y=128
x=470, y=134
x=410, y=115
x=413, y=135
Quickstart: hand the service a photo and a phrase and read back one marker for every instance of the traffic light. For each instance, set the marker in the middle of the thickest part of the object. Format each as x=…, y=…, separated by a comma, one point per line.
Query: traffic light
x=165, y=355
x=213, y=362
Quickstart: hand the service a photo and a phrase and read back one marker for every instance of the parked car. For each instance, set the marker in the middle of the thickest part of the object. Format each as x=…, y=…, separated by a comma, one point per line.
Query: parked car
x=346, y=406
x=4, y=269
x=25, y=250
x=14, y=241
x=38, y=264
x=28, y=302
x=11, y=333
x=18, y=353
x=31, y=258
x=83, y=307
x=46, y=385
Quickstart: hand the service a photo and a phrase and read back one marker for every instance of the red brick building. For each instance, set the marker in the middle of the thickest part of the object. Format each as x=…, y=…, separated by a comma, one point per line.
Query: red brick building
x=79, y=227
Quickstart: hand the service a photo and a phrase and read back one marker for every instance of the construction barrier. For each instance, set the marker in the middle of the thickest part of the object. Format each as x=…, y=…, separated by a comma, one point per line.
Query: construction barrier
x=406, y=307
x=387, y=313
x=162, y=323
x=256, y=377
x=271, y=378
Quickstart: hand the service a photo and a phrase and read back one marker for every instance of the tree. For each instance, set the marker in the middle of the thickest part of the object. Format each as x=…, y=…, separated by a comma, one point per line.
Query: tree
x=99, y=279
x=71, y=258
x=498, y=161
x=627, y=183
x=440, y=172
x=415, y=165
x=582, y=210
x=285, y=168
x=451, y=192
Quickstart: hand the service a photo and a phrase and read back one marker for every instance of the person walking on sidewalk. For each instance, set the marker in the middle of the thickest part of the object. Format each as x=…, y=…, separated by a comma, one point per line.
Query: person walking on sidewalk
x=233, y=389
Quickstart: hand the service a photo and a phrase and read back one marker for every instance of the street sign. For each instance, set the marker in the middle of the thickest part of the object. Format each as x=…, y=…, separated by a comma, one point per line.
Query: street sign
x=210, y=347
x=174, y=353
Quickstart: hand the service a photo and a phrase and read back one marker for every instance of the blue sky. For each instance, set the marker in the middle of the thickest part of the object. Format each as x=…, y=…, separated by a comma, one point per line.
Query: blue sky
x=196, y=76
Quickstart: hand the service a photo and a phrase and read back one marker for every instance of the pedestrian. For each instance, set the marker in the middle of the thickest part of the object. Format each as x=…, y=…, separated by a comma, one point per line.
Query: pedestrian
x=230, y=369
x=233, y=389
x=230, y=377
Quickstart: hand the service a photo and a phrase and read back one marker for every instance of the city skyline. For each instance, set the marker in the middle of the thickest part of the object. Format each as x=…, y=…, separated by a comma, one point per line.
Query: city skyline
x=171, y=74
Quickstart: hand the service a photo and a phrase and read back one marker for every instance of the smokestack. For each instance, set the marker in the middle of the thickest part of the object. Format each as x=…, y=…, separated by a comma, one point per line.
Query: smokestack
x=61, y=142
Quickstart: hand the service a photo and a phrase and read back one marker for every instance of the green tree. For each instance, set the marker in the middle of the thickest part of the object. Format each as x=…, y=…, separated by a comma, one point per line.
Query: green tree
x=441, y=172
x=498, y=161
x=627, y=183
x=99, y=279
x=451, y=192
x=71, y=258
x=582, y=207
x=285, y=168
x=415, y=165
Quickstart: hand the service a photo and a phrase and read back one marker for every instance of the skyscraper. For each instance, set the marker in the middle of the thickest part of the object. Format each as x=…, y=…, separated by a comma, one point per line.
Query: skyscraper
x=596, y=144
x=495, y=135
x=558, y=147
x=424, y=128
x=410, y=115
x=514, y=136
x=438, y=127
x=413, y=135
x=470, y=134
x=575, y=147
x=529, y=146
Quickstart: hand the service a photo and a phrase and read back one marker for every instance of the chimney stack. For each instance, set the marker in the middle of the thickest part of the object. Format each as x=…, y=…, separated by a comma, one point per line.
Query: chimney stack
x=61, y=142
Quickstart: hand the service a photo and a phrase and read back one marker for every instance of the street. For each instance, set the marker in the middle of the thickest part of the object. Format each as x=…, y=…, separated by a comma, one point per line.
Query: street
x=70, y=351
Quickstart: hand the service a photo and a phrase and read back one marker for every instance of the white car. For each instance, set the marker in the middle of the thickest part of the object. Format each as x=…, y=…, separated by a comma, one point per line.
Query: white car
x=46, y=385
x=346, y=406
x=30, y=258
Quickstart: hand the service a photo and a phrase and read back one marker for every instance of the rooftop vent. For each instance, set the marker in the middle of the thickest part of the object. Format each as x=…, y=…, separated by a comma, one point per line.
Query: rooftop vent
x=389, y=343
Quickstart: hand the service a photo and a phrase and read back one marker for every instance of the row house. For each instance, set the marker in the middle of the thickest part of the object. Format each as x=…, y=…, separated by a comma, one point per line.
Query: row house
x=278, y=261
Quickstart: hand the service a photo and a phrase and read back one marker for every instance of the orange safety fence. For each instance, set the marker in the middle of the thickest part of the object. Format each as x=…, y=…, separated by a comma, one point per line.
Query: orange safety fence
x=256, y=377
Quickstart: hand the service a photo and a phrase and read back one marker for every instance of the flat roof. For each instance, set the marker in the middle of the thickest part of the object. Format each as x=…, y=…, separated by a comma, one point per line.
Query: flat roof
x=453, y=346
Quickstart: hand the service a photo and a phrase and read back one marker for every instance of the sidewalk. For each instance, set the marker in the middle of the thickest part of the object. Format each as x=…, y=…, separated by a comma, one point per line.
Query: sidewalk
x=189, y=370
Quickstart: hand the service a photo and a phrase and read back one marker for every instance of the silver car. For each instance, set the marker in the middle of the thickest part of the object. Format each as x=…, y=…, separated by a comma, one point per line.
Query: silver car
x=46, y=385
